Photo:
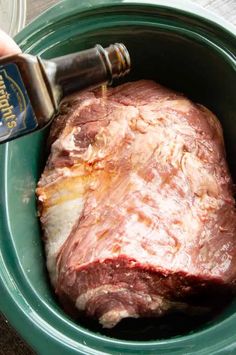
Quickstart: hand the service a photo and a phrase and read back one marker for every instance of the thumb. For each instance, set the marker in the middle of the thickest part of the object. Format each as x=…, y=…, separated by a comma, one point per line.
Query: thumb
x=7, y=45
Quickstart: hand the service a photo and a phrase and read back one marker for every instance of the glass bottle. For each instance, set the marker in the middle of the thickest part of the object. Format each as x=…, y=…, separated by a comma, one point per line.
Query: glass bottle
x=32, y=88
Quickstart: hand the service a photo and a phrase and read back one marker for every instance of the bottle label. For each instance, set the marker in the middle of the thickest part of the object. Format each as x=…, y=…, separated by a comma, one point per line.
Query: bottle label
x=16, y=113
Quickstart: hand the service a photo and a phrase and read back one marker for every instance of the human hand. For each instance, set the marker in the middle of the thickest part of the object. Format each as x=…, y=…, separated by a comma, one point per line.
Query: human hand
x=7, y=45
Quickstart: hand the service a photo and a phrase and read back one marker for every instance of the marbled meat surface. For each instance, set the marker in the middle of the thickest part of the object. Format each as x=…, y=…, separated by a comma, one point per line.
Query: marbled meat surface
x=136, y=205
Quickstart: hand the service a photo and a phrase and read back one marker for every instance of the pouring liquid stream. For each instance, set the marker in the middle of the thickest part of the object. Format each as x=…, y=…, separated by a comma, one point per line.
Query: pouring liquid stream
x=104, y=91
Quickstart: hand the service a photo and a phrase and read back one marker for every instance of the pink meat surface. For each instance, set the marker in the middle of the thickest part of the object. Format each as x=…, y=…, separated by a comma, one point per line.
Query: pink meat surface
x=136, y=205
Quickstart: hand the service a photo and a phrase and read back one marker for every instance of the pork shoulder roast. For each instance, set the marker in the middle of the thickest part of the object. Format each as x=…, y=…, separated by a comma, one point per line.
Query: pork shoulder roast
x=136, y=205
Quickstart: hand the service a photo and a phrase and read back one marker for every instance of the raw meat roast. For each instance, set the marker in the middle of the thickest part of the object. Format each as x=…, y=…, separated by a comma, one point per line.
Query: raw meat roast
x=136, y=205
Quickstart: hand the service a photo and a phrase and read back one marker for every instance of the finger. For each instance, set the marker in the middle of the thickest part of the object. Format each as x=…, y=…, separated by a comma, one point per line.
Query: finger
x=7, y=45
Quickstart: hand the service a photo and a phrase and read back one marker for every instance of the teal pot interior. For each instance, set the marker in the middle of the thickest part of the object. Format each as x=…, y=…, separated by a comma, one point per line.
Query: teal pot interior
x=177, y=48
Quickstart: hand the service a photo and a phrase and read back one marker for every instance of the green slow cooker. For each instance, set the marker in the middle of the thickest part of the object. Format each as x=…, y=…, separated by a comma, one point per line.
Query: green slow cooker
x=178, y=45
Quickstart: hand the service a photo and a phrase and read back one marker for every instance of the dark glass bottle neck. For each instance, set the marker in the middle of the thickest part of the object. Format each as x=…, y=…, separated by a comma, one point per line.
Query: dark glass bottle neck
x=85, y=69
x=81, y=70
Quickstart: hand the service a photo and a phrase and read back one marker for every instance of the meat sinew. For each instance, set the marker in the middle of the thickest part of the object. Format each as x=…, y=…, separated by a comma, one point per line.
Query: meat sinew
x=136, y=205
